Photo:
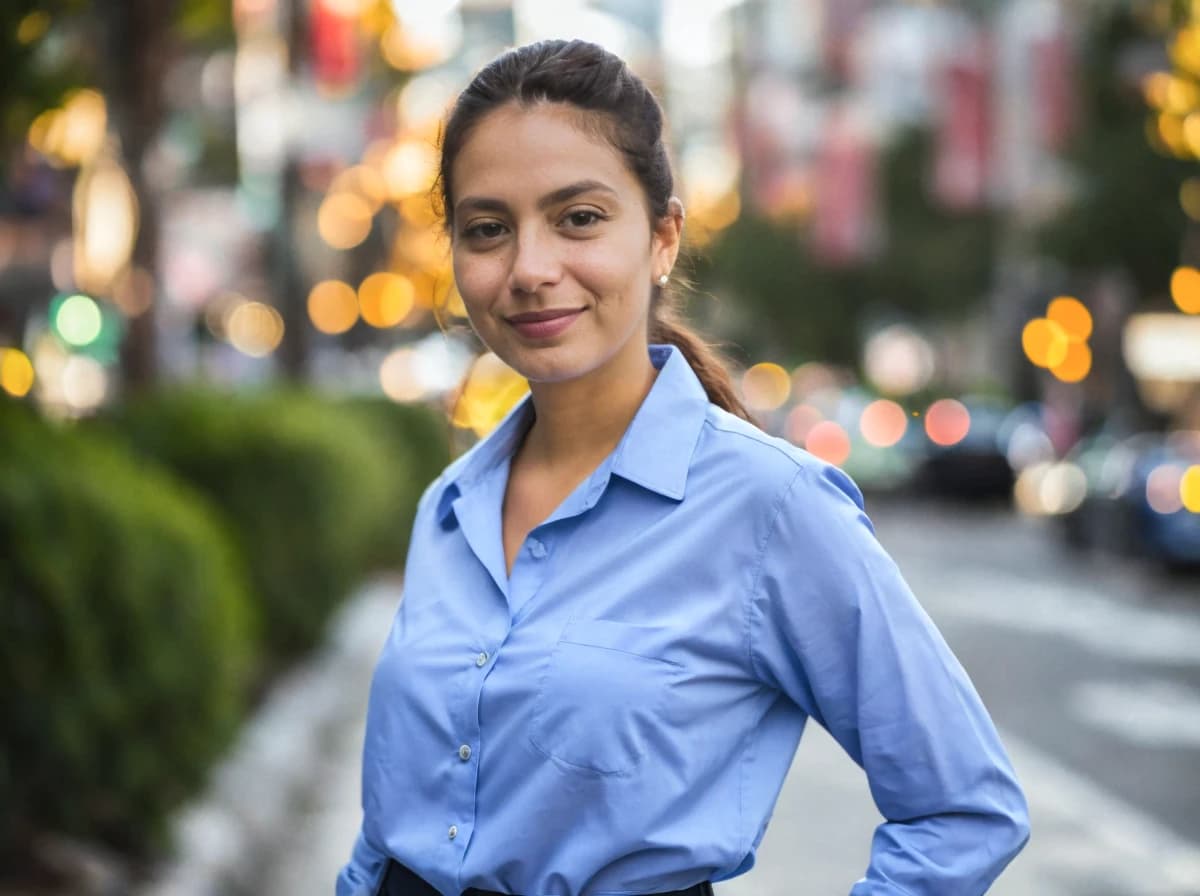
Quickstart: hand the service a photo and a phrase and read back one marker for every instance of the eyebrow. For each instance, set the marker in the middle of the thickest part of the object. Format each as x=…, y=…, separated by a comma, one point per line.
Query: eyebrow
x=556, y=197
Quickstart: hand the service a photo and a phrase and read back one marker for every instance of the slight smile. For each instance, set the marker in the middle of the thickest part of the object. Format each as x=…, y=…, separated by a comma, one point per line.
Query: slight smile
x=544, y=324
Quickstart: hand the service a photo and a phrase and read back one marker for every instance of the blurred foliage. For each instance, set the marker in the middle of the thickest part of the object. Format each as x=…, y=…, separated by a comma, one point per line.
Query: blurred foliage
x=416, y=443
x=43, y=54
x=1126, y=213
x=934, y=264
x=301, y=484
x=128, y=638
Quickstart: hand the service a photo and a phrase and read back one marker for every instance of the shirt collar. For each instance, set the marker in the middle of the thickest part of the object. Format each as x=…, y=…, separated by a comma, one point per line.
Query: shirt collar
x=655, y=452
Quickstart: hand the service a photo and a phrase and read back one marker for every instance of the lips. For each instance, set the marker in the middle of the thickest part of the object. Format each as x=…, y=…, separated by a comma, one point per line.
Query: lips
x=533, y=317
x=537, y=325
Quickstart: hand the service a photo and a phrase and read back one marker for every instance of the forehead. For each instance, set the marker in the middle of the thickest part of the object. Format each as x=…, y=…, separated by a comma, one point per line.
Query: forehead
x=520, y=153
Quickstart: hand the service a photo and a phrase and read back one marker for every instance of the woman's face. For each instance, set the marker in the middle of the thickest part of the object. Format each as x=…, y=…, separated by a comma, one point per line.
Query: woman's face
x=553, y=250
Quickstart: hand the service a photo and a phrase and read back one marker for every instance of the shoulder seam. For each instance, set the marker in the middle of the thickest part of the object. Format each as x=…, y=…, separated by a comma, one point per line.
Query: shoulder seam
x=765, y=441
x=776, y=512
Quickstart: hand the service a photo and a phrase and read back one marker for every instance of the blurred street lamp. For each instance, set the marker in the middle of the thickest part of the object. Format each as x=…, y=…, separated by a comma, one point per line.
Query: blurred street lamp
x=105, y=222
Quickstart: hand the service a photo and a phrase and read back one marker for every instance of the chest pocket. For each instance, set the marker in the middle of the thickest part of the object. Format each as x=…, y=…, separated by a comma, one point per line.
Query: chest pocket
x=603, y=695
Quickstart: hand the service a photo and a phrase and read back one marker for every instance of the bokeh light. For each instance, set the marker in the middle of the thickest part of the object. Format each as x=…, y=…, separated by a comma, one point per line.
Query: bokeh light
x=84, y=383
x=399, y=378
x=344, y=220
x=1076, y=365
x=16, y=372
x=947, y=422
x=105, y=222
x=828, y=441
x=1072, y=315
x=766, y=386
x=1048, y=488
x=898, y=360
x=385, y=299
x=1164, y=487
x=883, y=423
x=1189, y=488
x=800, y=421
x=78, y=320
x=1045, y=342
x=254, y=329
x=1185, y=289
x=333, y=306
x=491, y=390
x=409, y=167
x=1189, y=198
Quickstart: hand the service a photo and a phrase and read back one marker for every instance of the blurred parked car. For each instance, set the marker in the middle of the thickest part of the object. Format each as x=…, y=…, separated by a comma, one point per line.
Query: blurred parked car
x=975, y=467
x=1130, y=497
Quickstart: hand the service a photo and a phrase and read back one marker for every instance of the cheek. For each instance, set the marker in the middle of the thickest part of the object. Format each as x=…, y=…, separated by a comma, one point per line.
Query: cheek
x=479, y=279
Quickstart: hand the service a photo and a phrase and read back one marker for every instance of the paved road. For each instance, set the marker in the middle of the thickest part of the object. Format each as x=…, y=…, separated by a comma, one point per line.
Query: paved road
x=1091, y=669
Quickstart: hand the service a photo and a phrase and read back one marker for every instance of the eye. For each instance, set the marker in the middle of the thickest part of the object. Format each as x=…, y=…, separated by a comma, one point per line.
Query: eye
x=483, y=230
x=582, y=218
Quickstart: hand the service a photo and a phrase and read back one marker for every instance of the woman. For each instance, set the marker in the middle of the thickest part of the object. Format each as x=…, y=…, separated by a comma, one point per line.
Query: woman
x=622, y=606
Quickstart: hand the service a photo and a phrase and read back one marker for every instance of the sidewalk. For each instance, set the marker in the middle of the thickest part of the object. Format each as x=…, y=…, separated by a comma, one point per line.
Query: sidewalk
x=1084, y=842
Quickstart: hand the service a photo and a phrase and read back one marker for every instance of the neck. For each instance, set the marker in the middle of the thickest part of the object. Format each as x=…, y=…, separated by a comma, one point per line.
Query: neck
x=580, y=421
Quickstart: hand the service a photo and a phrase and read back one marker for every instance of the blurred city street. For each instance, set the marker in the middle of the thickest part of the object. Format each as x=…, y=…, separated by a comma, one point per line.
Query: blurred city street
x=1091, y=670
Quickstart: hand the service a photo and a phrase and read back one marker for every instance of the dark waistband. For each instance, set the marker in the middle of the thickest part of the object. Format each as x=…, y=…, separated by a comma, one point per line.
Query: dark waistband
x=401, y=881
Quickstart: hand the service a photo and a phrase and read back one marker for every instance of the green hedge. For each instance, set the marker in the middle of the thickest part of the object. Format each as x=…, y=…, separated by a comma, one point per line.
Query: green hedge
x=317, y=492
x=416, y=443
x=128, y=638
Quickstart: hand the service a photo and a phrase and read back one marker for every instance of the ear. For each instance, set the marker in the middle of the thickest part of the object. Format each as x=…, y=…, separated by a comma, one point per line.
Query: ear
x=667, y=236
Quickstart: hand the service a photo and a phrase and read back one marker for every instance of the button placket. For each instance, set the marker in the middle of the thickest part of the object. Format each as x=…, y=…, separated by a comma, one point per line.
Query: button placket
x=482, y=659
x=453, y=832
x=464, y=752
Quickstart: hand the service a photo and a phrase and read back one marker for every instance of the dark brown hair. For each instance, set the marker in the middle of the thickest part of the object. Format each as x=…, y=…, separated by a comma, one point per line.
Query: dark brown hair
x=619, y=106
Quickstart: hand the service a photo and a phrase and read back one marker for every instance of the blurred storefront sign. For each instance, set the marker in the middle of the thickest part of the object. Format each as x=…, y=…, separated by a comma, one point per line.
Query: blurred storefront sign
x=846, y=223
x=962, y=167
x=1161, y=350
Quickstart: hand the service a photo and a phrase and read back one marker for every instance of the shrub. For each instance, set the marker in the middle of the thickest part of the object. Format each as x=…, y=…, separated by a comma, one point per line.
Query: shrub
x=302, y=483
x=128, y=638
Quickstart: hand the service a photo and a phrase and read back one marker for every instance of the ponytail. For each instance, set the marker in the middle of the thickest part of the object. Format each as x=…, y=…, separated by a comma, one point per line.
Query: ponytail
x=666, y=327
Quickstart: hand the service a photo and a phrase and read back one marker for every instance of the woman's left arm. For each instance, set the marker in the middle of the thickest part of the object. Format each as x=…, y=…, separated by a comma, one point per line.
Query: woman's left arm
x=836, y=627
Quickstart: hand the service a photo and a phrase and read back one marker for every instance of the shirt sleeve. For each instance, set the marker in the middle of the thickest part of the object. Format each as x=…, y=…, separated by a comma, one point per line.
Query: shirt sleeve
x=835, y=626
x=361, y=876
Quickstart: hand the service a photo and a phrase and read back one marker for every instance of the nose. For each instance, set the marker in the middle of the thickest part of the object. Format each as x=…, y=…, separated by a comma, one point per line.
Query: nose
x=536, y=264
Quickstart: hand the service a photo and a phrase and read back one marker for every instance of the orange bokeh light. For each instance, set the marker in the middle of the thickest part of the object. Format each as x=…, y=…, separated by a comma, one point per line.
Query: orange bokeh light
x=947, y=422
x=1072, y=315
x=828, y=441
x=1045, y=342
x=1076, y=365
x=883, y=423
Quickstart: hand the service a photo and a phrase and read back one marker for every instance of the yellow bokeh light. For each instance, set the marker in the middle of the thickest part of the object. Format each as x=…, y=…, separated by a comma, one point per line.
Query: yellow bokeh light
x=409, y=167
x=1182, y=96
x=766, y=386
x=490, y=391
x=333, y=306
x=947, y=422
x=1185, y=49
x=16, y=372
x=1045, y=342
x=1076, y=365
x=33, y=27
x=404, y=49
x=1156, y=88
x=828, y=441
x=364, y=182
x=1072, y=315
x=105, y=223
x=1185, y=289
x=255, y=329
x=1189, y=197
x=1189, y=488
x=344, y=220
x=1170, y=131
x=883, y=423
x=384, y=299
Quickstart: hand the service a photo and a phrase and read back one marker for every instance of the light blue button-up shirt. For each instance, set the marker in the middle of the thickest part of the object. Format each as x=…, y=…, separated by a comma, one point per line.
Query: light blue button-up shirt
x=617, y=715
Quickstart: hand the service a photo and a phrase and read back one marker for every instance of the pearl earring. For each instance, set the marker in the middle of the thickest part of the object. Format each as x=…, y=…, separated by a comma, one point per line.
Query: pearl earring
x=664, y=280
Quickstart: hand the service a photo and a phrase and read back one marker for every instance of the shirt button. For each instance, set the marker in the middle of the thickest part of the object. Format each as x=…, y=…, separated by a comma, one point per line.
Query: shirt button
x=453, y=832
x=537, y=549
x=464, y=752
x=481, y=660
